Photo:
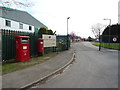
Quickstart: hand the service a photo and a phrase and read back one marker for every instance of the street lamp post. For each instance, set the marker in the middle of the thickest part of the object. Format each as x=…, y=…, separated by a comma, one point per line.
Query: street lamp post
x=109, y=29
x=67, y=32
x=99, y=41
x=67, y=24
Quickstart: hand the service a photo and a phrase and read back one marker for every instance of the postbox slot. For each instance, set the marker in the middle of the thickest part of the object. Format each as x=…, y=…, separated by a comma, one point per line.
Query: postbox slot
x=24, y=40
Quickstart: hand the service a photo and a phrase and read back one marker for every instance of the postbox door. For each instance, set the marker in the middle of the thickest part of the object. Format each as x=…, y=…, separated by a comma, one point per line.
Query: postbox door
x=22, y=48
x=25, y=49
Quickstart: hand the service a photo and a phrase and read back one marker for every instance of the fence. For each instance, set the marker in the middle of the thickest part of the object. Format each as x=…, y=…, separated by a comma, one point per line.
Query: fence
x=110, y=38
x=63, y=41
x=8, y=44
x=110, y=41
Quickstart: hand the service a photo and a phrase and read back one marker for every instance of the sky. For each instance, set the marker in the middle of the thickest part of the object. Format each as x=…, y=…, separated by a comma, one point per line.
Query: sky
x=83, y=14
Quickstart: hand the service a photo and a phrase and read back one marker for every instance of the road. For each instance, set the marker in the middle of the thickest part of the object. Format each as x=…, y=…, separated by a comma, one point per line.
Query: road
x=91, y=69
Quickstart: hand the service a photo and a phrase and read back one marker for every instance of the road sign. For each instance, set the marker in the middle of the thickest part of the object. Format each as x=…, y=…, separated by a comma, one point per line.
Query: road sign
x=114, y=39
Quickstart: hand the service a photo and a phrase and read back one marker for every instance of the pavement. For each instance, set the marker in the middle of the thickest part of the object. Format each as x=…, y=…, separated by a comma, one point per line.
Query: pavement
x=26, y=77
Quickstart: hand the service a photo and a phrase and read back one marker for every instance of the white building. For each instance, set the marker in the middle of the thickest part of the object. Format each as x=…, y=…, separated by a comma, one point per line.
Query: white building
x=12, y=19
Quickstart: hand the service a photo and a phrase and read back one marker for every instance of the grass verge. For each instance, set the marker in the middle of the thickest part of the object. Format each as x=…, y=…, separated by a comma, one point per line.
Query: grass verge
x=14, y=66
x=108, y=45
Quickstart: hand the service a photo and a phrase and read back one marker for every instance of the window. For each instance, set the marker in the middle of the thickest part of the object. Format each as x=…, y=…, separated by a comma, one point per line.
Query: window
x=20, y=26
x=8, y=23
x=30, y=27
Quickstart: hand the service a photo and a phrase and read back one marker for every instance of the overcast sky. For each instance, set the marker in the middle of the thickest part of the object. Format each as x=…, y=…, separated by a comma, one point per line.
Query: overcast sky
x=83, y=14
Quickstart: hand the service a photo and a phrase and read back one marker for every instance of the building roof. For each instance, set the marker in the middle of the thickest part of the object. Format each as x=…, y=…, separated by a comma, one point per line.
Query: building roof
x=20, y=16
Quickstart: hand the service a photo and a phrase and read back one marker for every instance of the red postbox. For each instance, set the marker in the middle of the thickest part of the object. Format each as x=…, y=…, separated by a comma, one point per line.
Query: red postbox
x=40, y=46
x=22, y=48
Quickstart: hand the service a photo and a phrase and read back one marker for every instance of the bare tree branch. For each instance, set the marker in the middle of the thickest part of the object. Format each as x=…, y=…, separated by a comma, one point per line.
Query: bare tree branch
x=9, y=3
x=97, y=28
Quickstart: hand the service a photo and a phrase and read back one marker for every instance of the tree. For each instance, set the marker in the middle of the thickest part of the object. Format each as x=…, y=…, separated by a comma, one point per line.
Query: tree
x=97, y=29
x=89, y=38
x=9, y=3
x=42, y=30
x=114, y=30
x=72, y=36
x=50, y=32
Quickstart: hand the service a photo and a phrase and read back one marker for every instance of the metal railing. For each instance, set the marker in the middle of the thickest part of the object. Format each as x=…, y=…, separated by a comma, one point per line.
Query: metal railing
x=8, y=44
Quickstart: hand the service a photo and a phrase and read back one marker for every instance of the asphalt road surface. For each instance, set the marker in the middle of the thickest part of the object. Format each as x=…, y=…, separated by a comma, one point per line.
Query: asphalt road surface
x=91, y=69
